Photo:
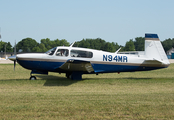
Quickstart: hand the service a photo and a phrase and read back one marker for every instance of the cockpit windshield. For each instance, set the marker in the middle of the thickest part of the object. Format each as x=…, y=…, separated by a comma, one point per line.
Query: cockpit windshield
x=51, y=52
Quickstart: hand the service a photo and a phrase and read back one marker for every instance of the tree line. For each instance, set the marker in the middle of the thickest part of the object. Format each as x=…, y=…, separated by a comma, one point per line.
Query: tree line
x=31, y=45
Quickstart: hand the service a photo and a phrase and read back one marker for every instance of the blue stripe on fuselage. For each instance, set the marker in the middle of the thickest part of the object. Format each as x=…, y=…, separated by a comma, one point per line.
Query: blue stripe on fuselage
x=106, y=68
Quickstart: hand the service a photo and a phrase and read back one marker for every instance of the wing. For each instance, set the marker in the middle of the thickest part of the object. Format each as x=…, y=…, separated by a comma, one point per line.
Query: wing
x=77, y=65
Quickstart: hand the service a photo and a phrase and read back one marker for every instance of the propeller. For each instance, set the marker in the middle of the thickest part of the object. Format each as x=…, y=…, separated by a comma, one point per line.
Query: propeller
x=14, y=58
x=15, y=55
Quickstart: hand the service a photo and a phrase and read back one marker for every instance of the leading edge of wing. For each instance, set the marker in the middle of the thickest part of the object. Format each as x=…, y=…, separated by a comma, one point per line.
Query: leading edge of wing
x=77, y=65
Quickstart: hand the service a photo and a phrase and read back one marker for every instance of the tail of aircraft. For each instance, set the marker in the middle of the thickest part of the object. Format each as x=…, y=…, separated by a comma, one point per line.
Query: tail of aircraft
x=154, y=49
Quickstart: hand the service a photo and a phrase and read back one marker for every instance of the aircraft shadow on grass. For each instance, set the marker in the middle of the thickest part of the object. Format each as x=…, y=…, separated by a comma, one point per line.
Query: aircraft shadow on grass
x=132, y=78
x=56, y=81
x=62, y=81
x=52, y=80
x=129, y=78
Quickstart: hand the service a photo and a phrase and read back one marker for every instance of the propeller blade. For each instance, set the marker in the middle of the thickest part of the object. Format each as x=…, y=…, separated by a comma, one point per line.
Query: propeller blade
x=15, y=55
x=14, y=64
x=15, y=48
x=13, y=58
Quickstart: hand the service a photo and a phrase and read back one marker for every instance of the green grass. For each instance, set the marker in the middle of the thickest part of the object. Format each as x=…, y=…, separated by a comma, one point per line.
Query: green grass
x=136, y=95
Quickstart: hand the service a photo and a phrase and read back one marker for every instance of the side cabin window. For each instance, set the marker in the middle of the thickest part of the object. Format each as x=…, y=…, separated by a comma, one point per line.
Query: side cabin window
x=81, y=53
x=51, y=52
x=62, y=52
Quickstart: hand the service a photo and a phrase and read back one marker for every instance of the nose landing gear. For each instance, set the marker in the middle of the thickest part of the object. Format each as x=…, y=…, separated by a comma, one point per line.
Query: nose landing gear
x=32, y=78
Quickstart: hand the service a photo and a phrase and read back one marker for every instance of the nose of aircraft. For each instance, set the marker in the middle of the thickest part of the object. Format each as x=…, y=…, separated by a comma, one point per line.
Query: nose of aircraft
x=12, y=57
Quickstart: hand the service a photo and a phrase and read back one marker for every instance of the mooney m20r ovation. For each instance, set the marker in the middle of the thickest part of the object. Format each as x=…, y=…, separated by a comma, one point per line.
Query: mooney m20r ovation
x=75, y=61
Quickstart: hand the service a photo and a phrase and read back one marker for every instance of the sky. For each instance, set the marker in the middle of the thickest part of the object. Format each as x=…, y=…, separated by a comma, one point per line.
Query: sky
x=74, y=20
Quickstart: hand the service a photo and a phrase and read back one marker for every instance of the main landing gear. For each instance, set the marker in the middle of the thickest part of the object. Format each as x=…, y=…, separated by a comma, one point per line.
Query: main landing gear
x=74, y=75
x=68, y=75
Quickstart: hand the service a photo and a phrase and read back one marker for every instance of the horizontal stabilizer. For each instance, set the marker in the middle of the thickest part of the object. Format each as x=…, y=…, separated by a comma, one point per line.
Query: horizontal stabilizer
x=153, y=61
x=159, y=60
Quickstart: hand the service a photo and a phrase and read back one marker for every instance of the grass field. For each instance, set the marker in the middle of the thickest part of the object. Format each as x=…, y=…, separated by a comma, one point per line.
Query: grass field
x=136, y=95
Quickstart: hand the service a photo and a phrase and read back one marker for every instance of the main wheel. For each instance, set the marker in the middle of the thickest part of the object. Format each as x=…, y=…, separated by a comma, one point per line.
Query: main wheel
x=32, y=78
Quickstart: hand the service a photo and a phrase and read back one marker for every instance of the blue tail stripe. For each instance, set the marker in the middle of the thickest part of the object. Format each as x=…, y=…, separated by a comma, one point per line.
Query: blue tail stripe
x=151, y=36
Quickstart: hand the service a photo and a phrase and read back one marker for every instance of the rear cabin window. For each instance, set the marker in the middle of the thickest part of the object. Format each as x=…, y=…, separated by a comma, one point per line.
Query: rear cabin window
x=80, y=53
x=62, y=52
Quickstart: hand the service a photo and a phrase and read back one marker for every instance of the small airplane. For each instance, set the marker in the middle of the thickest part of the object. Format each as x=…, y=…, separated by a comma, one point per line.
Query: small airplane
x=75, y=61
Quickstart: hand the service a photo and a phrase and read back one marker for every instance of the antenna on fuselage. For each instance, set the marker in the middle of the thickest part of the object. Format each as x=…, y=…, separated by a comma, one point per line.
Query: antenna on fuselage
x=72, y=44
x=117, y=50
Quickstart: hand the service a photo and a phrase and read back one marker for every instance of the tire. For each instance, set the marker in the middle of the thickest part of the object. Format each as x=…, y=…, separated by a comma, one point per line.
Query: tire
x=32, y=78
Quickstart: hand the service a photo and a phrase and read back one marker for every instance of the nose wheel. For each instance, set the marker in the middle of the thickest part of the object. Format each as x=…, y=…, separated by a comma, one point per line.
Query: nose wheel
x=32, y=78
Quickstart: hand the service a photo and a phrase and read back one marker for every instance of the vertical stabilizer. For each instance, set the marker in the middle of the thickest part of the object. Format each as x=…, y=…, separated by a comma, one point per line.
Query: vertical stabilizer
x=154, y=49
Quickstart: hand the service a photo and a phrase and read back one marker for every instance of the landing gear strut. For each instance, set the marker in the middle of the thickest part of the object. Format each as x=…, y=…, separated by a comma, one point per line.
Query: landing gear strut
x=74, y=75
x=37, y=72
x=68, y=75
x=32, y=77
